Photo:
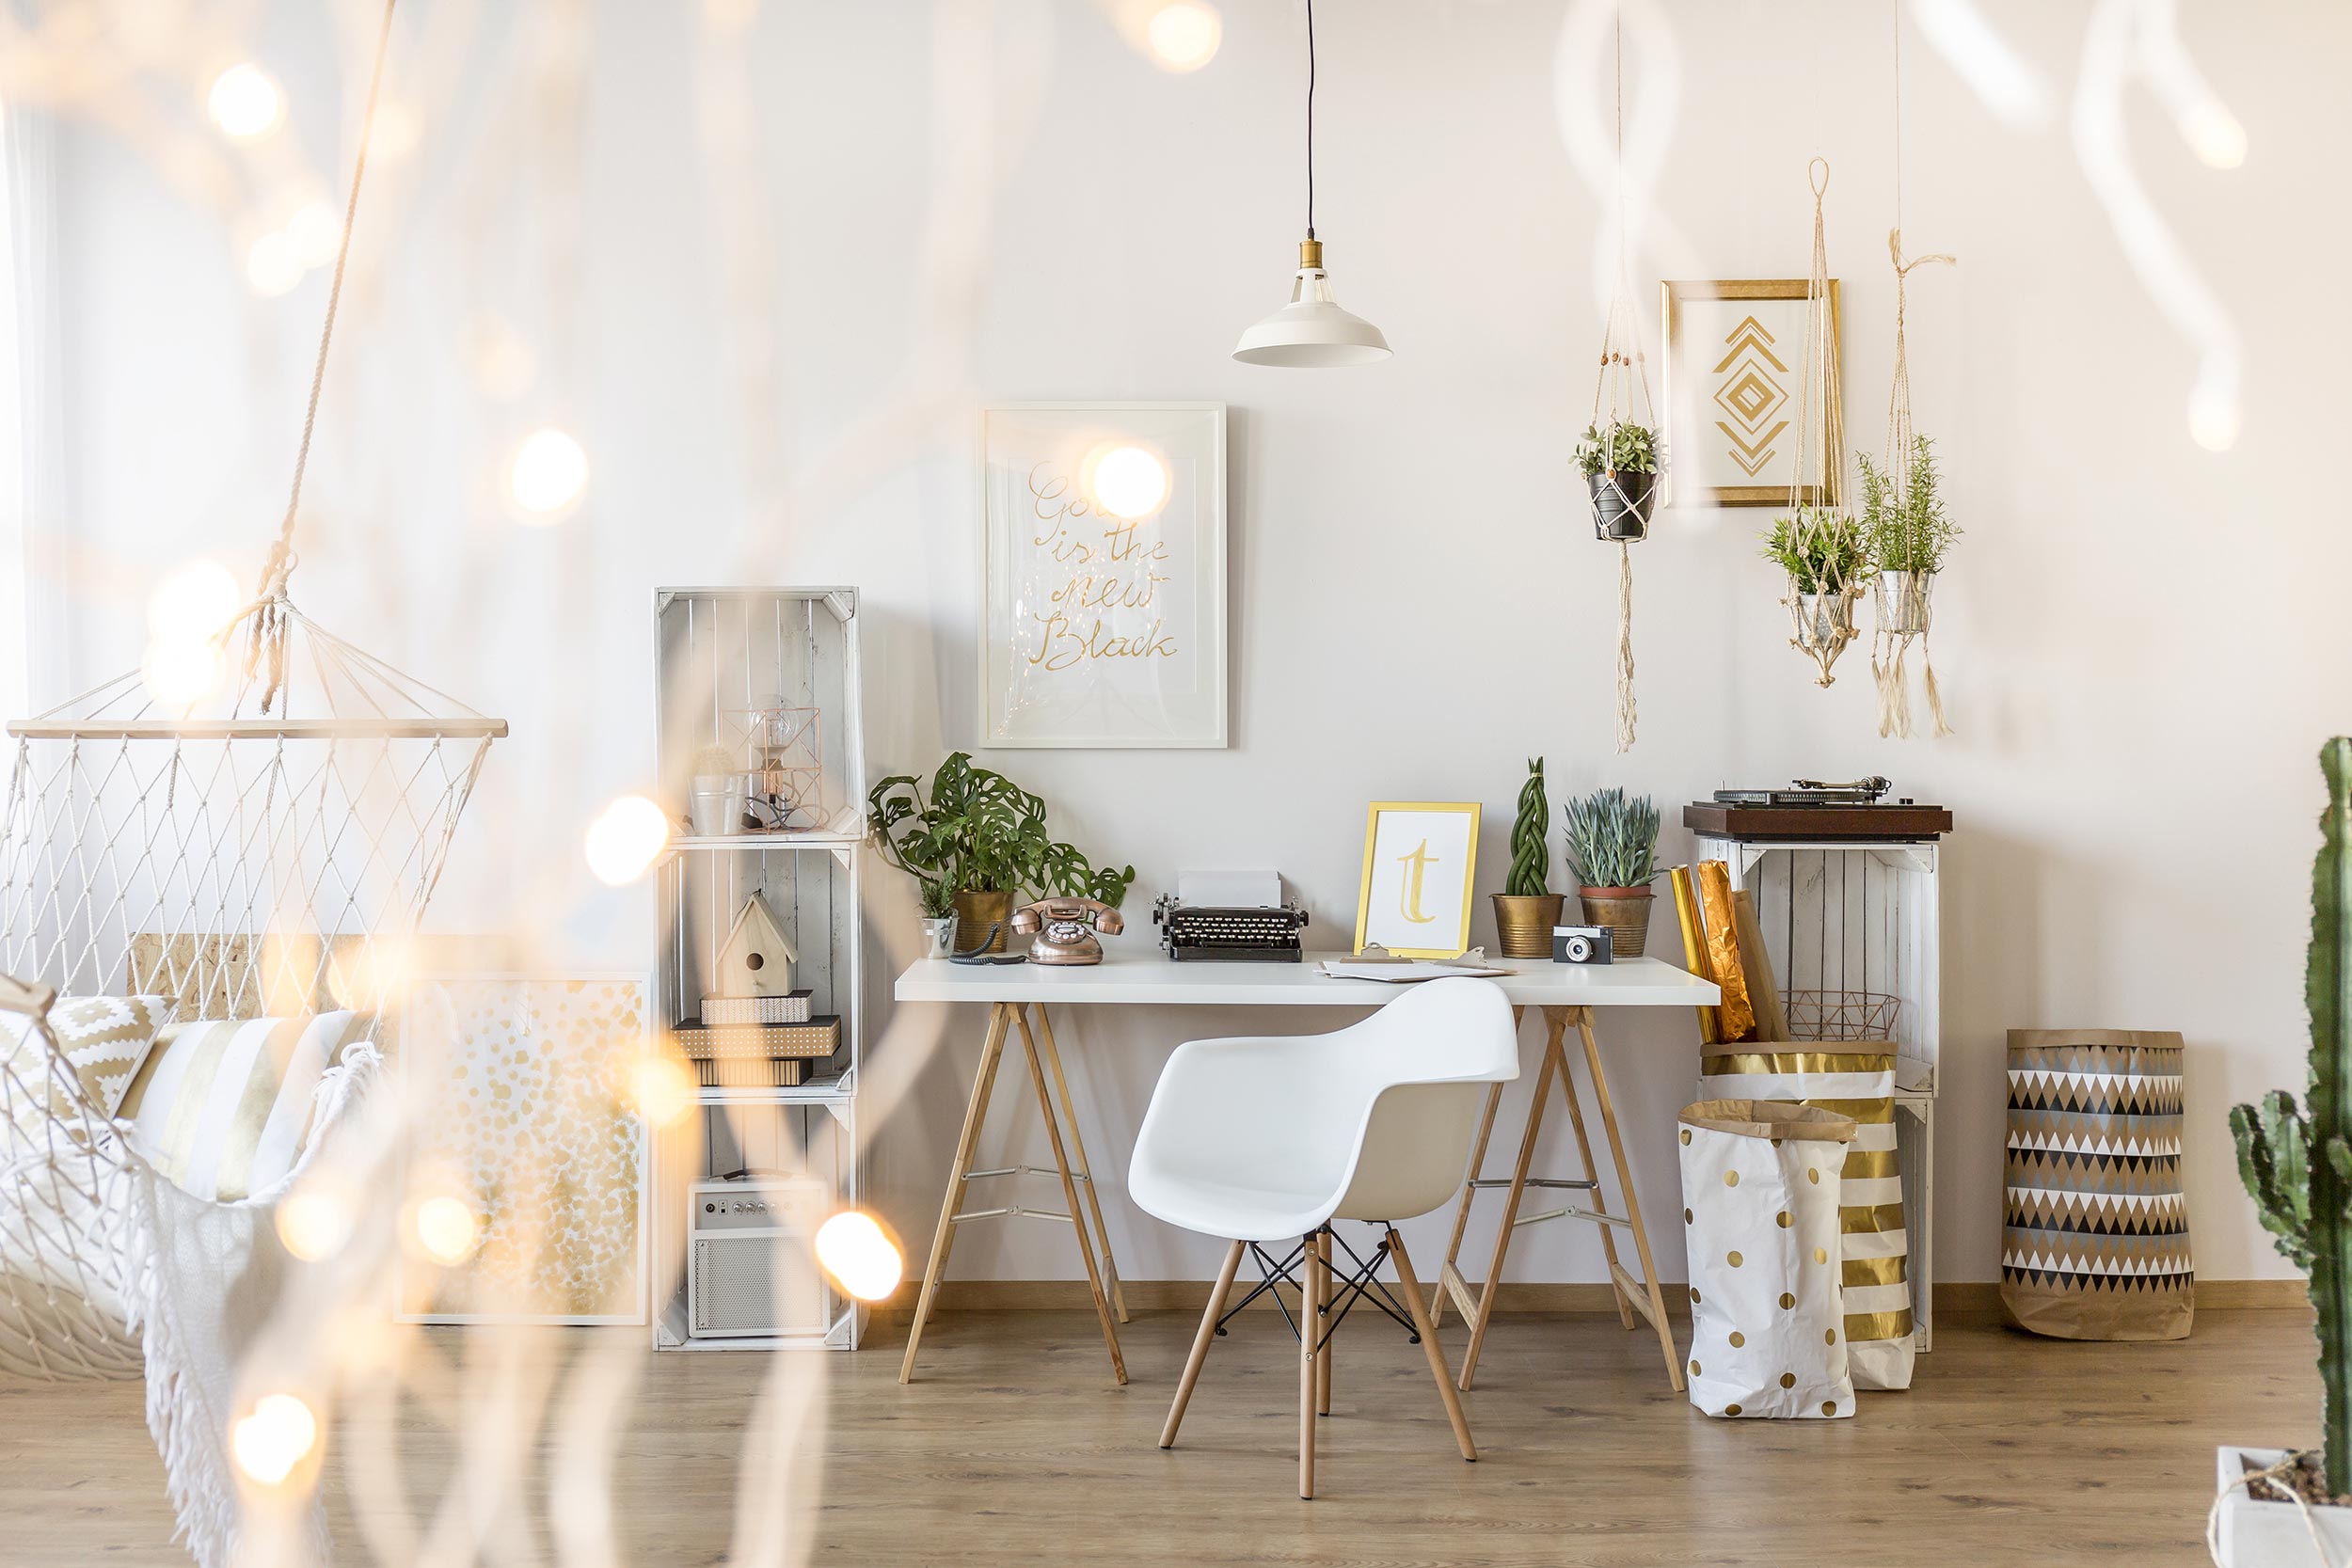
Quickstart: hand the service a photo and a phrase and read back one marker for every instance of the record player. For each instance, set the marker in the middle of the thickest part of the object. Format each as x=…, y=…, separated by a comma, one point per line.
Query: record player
x=1810, y=809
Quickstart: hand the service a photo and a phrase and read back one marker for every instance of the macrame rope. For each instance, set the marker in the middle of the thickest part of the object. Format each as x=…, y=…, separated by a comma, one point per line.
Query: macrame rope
x=1623, y=372
x=1625, y=647
x=1823, y=618
x=2273, y=1474
x=269, y=626
x=1907, y=609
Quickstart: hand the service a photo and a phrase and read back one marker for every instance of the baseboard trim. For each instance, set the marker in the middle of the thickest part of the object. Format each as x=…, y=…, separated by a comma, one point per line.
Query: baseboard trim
x=1958, y=1299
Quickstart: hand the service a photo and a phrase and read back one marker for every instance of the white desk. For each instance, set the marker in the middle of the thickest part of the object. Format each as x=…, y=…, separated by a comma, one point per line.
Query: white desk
x=1565, y=993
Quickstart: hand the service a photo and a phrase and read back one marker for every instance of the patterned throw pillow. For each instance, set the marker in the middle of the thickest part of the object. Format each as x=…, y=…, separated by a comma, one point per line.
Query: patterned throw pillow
x=105, y=1039
x=222, y=1106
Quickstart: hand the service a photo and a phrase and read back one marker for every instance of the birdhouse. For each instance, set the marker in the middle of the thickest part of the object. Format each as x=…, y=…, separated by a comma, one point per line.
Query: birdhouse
x=756, y=960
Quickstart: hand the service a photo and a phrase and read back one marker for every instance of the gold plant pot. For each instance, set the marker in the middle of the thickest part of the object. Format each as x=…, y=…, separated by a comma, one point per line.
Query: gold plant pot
x=1523, y=922
x=976, y=913
x=1624, y=910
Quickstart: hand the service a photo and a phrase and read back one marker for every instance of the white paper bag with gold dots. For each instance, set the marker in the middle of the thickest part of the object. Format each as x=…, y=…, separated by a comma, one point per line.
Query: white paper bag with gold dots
x=1760, y=1224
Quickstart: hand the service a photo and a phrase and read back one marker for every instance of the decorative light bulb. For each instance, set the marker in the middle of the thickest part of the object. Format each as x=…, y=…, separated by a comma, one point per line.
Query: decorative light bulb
x=245, y=102
x=547, y=474
x=446, y=1229
x=860, y=1256
x=273, y=265
x=275, y=1436
x=626, y=839
x=1184, y=35
x=1129, y=483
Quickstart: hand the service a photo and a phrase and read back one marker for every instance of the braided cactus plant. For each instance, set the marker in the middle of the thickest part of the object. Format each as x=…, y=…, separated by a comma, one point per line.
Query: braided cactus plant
x=1531, y=853
x=2297, y=1164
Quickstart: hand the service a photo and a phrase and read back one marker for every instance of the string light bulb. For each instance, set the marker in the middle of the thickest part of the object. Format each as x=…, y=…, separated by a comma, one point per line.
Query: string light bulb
x=547, y=475
x=272, y=1439
x=1184, y=35
x=860, y=1255
x=246, y=103
x=1129, y=483
x=625, y=840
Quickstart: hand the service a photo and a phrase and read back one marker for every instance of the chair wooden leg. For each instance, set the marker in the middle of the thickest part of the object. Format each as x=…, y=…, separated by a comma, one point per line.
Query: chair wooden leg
x=1070, y=1194
x=1309, y=1313
x=1208, y=1316
x=1323, y=1357
x=1078, y=1150
x=1428, y=1332
x=976, y=1112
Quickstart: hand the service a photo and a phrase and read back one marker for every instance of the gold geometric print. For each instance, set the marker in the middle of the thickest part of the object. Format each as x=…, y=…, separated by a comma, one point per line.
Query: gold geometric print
x=1747, y=389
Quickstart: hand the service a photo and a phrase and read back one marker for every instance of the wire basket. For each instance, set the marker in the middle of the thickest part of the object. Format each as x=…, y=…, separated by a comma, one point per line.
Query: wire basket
x=1842, y=1015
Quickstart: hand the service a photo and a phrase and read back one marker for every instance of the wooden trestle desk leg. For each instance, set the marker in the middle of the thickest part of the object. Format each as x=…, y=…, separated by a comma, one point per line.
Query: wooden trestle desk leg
x=1642, y=1293
x=1584, y=1154
x=1449, y=1274
x=1069, y=1195
x=1461, y=1211
x=974, y=1113
x=1084, y=1171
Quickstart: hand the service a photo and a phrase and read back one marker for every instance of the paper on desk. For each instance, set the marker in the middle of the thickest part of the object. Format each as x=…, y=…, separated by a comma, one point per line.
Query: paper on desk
x=1398, y=971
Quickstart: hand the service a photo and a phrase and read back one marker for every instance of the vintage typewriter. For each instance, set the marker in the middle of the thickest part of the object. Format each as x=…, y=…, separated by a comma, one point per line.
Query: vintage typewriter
x=1230, y=917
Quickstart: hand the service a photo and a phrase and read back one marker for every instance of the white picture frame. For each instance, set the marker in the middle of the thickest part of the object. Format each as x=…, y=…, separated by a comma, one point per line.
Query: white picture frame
x=1099, y=626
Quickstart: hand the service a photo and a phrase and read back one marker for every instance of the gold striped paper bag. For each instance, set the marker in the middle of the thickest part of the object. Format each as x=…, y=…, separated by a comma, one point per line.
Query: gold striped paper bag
x=1854, y=1079
x=2094, y=1237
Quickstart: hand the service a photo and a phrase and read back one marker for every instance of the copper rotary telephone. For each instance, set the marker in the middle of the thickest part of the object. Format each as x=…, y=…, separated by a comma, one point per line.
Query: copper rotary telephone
x=1065, y=929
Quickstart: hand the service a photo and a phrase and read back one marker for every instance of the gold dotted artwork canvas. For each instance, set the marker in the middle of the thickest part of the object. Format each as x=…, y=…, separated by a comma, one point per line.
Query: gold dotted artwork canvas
x=524, y=1102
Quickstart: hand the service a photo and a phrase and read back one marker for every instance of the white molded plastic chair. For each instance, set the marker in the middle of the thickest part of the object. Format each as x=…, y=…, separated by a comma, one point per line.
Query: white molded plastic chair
x=1270, y=1138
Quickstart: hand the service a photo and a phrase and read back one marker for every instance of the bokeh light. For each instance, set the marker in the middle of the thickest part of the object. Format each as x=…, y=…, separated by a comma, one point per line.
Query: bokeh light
x=663, y=1088
x=314, y=232
x=1129, y=483
x=1184, y=35
x=193, y=601
x=314, y=1221
x=2213, y=134
x=446, y=1229
x=179, y=673
x=246, y=103
x=860, y=1255
x=273, y=264
x=547, y=475
x=625, y=840
x=277, y=1434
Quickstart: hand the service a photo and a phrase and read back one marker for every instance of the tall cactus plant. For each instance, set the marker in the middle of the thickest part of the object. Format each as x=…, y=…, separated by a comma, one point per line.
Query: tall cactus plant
x=2297, y=1164
x=1531, y=853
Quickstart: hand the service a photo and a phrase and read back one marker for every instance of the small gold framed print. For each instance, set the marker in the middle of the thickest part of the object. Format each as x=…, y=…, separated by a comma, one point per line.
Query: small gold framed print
x=1420, y=858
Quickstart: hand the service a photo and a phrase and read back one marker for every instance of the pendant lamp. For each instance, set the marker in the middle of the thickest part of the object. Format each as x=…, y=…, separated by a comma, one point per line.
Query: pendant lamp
x=1311, y=331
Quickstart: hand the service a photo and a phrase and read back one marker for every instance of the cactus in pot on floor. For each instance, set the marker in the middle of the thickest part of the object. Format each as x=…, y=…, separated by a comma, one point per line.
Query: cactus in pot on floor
x=2297, y=1164
x=1527, y=909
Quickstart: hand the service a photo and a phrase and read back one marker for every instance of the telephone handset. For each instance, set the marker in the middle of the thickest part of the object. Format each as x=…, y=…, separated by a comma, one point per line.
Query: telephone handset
x=1065, y=929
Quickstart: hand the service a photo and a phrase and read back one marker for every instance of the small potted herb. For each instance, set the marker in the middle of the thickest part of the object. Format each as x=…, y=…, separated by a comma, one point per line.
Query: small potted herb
x=1619, y=461
x=1612, y=848
x=1527, y=909
x=976, y=842
x=1827, y=559
x=1908, y=535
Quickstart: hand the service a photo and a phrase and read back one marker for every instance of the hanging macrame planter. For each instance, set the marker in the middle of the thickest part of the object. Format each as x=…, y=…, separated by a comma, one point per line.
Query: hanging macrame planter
x=1820, y=545
x=1619, y=455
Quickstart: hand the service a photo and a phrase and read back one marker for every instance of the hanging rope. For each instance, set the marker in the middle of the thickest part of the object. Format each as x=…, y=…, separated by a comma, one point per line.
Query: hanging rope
x=269, y=622
x=1828, y=571
x=1904, y=602
x=1623, y=502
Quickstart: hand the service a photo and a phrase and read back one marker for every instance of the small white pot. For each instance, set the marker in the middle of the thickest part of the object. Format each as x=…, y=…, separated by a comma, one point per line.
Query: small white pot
x=2251, y=1534
x=715, y=805
x=939, y=937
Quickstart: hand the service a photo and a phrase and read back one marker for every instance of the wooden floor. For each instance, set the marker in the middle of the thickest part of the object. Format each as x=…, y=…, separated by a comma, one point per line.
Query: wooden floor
x=1014, y=1447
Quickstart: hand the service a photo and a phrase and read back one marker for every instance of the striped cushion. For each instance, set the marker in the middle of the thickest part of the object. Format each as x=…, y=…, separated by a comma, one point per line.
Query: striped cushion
x=222, y=1106
x=1854, y=1079
x=104, y=1038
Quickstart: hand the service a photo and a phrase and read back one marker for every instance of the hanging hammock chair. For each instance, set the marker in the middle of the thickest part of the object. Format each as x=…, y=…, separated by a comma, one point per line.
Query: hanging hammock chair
x=264, y=854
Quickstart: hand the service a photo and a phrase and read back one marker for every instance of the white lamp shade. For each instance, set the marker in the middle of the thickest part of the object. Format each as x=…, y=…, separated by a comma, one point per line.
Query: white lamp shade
x=1311, y=331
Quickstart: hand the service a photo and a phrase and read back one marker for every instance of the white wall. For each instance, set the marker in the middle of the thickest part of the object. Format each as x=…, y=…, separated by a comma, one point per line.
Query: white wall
x=2141, y=640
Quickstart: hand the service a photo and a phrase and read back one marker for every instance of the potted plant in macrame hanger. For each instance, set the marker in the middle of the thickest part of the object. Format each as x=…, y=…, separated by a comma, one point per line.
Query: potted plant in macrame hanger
x=1527, y=909
x=1612, y=848
x=2276, y=1506
x=1908, y=529
x=1619, y=461
x=1827, y=559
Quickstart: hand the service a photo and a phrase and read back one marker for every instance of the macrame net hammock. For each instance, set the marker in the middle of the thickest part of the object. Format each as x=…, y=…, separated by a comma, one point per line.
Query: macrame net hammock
x=1622, y=501
x=1826, y=539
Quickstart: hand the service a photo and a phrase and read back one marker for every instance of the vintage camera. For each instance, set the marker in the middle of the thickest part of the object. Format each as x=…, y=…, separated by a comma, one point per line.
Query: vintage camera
x=1581, y=945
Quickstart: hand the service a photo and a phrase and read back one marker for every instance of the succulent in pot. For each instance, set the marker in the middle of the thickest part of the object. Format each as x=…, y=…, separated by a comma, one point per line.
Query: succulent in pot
x=1620, y=461
x=1612, y=848
x=1527, y=909
x=975, y=842
x=1827, y=559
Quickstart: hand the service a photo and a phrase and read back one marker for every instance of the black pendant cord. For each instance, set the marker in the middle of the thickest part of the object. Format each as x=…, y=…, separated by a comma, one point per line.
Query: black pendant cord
x=1310, y=118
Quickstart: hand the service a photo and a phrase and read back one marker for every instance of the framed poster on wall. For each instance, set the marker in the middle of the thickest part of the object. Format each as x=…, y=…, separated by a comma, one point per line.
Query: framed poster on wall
x=1102, y=574
x=1734, y=380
